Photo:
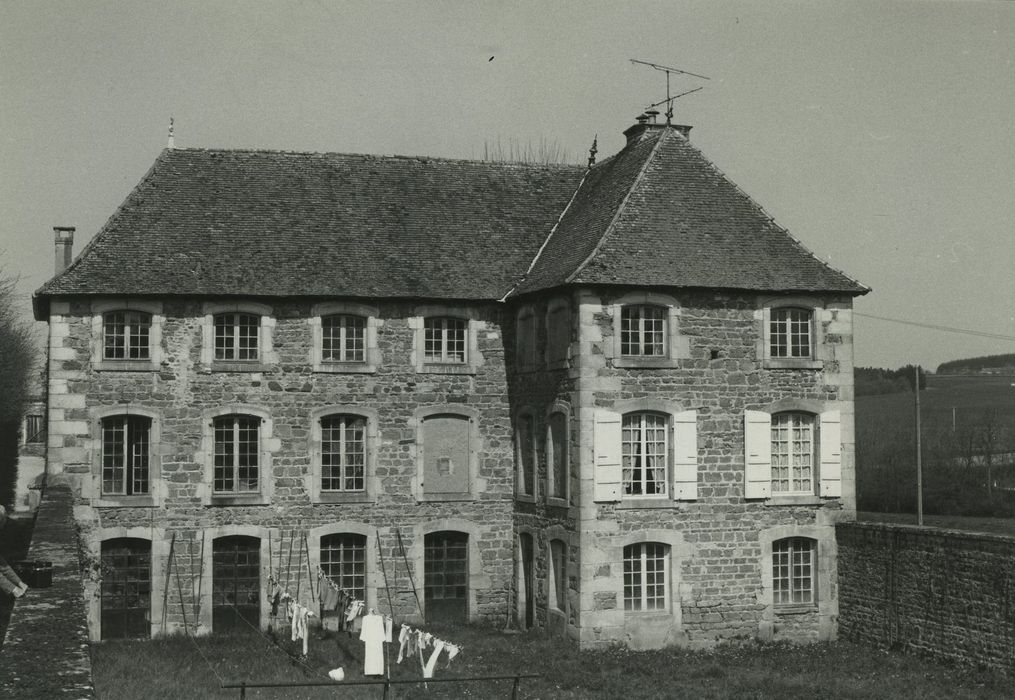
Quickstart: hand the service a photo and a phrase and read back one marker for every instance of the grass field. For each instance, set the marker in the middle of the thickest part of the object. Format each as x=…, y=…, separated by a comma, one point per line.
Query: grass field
x=174, y=668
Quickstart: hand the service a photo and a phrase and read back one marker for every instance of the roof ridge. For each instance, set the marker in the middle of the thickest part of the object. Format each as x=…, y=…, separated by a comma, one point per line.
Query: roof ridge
x=620, y=208
x=770, y=218
x=381, y=156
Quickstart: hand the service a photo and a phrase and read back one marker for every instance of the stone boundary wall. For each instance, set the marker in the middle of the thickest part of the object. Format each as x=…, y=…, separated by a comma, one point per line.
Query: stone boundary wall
x=940, y=592
x=45, y=653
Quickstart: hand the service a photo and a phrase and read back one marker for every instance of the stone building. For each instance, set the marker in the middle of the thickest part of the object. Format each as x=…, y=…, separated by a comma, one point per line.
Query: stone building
x=613, y=401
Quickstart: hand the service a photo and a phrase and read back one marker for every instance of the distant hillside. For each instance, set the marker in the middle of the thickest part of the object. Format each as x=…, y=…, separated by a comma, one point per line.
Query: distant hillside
x=872, y=381
x=989, y=364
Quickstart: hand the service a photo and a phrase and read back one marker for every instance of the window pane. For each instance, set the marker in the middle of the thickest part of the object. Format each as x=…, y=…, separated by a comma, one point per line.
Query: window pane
x=792, y=453
x=343, y=453
x=645, y=567
x=236, y=336
x=793, y=571
x=343, y=338
x=343, y=560
x=525, y=459
x=237, y=453
x=643, y=331
x=444, y=339
x=790, y=333
x=558, y=455
x=645, y=454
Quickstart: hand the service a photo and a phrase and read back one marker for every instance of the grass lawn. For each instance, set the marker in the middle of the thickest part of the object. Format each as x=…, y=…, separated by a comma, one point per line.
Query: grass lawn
x=992, y=526
x=173, y=668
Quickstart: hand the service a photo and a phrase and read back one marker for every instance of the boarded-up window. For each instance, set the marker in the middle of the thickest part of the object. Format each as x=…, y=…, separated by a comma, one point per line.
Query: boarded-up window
x=525, y=457
x=558, y=327
x=446, y=452
x=558, y=455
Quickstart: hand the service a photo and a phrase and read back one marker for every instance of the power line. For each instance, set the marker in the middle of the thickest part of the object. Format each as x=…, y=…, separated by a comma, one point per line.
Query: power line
x=947, y=329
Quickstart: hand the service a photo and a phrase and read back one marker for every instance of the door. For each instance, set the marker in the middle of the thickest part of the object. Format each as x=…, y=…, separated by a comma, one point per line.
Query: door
x=527, y=583
x=446, y=576
x=236, y=584
x=126, y=588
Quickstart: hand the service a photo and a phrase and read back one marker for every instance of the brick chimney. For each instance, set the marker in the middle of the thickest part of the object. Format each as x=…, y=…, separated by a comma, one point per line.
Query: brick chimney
x=64, y=236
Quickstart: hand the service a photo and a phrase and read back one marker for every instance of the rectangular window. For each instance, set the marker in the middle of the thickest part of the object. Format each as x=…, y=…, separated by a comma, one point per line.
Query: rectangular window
x=237, y=449
x=643, y=331
x=236, y=336
x=35, y=429
x=126, y=335
x=645, y=576
x=343, y=453
x=645, y=454
x=790, y=333
x=793, y=571
x=343, y=560
x=792, y=453
x=343, y=338
x=525, y=340
x=445, y=340
x=558, y=333
x=558, y=455
x=125, y=455
x=525, y=456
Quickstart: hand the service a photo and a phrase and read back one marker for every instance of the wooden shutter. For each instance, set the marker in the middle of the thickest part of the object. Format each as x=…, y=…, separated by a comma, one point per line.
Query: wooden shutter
x=830, y=437
x=757, y=454
x=607, y=442
x=685, y=455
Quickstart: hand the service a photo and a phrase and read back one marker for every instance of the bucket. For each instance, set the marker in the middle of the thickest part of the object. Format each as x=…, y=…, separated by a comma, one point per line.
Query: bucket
x=36, y=574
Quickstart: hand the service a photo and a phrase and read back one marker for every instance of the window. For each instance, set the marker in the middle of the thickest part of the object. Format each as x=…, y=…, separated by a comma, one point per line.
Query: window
x=643, y=331
x=343, y=338
x=557, y=454
x=644, y=453
x=525, y=339
x=793, y=571
x=35, y=429
x=446, y=456
x=126, y=335
x=645, y=570
x=445, y=340
x=558, y=332
x=343, y=560
x=236, y=583
x=343, y=453
x=236, y=336
x=126, y=449
x=237, y=451
x=525, y=457
x=558, y=570
x=126, y=589
x=793, y=453
x=790, y=333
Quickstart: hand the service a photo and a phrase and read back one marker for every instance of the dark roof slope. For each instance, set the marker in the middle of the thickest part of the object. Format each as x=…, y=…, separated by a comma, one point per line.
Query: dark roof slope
x=660, y=214
x=261, y=223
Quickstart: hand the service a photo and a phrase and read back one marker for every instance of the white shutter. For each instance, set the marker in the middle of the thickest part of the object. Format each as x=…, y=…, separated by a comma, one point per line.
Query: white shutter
x=685, y=455
x=757, y=454
x=830, y=436
x=607, y=442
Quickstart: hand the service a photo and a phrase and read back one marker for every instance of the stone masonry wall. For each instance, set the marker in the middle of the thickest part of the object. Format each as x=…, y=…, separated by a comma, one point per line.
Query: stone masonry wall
x=182, y=394
x=720, y=544
x=939, y=592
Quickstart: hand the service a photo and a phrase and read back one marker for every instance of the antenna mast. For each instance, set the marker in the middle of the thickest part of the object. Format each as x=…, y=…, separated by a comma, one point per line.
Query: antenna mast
x=669, y=99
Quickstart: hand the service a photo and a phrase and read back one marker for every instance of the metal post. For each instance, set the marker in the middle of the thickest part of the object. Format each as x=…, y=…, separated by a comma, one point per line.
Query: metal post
x=243, y=689
x=514, y=688
x=919, y=460
x=387, y=686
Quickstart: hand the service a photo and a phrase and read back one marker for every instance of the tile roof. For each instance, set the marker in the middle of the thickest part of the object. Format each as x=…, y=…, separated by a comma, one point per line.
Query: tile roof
x=267, y=223
x=660, y=214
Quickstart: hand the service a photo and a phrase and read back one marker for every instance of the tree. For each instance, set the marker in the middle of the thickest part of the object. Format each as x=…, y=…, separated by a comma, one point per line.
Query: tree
x=17, y=357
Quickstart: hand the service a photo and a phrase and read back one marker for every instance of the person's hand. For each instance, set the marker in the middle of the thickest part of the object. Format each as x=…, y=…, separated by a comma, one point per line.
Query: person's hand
x=18, y=592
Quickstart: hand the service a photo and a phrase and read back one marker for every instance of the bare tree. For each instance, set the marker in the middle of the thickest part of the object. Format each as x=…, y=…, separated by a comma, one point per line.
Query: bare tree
x=17, y=355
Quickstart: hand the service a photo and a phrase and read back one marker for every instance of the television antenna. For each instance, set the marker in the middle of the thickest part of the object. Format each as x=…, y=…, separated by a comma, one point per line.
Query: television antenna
x=669, y=98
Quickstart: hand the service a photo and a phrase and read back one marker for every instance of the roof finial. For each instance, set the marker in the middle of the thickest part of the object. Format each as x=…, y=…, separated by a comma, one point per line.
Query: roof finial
x=172, y=141
x=593, y=151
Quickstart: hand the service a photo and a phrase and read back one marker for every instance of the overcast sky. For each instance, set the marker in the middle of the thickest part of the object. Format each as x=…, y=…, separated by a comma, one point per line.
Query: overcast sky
x=881, y=134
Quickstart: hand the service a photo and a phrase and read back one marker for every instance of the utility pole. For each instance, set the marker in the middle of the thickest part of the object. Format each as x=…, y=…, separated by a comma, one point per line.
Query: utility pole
x=919, y=460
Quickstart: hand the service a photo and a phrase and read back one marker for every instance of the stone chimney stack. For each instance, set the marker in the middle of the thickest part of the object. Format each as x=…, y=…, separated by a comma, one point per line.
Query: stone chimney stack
x=64, y=236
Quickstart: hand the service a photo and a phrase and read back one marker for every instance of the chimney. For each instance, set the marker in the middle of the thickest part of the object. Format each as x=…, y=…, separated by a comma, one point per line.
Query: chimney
x=647, y=125
x=64, y=247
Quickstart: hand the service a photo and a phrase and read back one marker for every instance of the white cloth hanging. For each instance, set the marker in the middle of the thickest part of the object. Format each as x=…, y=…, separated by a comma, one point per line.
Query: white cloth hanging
x=431, y=664
x=372, y=635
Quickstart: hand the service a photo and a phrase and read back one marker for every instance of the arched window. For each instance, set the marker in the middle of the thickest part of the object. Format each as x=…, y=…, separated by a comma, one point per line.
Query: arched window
x=343, y=452
x=126, y=335
x=236, y=583
x=646, y=569
x=643, y=331
x=793, y=441
x=793, y=570
x=126, y=455
x=343, y=560
x=557, y=458
x=126, y=590
x=237, y=454
x=645, y=453
x=525, y=454
x=558, y=575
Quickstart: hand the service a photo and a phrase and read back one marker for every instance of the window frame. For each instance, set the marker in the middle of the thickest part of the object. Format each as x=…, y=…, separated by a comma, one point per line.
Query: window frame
x=232, y=331
x=667, y=429
x=814, y=427
x=558, y=335
x=267, y=445
x=527, y=339
x=477, y=485
x=645, y=314
x=371, y=323
x=774, y=305
x=314, y=480
x=129, y=445
x=95, y=491
x=555, y=495
x=364, y=543
x=473, y=358
x=237, y=424
x=558, y=553
x=788, y=563
x=643, y=585
x=676, y=346
x=446, y=325
x=531, y=452
x=266, y=354
x=100, y=309
x=128, y=330
x=37, y=436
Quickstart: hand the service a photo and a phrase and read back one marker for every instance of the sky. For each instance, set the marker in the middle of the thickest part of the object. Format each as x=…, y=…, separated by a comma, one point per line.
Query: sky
x=880, y=134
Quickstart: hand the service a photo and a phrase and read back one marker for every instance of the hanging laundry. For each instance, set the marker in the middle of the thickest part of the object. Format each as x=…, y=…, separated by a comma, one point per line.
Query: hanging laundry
x=373, y=637
x=388, y=624
x=336, y=674
x=431, y=664
x=453, y=651
x=404, y=637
